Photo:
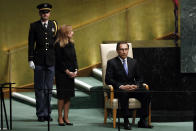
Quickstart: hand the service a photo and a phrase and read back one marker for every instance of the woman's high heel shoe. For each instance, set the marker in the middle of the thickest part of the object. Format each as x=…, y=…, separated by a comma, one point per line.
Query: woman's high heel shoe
x=69, y=124
x=61, y=124
x=66, y=123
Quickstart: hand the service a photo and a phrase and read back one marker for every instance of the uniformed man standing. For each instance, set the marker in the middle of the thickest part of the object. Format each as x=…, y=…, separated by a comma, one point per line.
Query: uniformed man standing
x=41, y=58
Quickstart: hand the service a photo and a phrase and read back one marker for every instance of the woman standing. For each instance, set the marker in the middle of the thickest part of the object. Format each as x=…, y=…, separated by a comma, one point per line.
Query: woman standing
x=65, y=72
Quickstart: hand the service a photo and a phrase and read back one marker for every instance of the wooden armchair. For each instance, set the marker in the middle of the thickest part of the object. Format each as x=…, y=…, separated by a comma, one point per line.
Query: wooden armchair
x=108, y=51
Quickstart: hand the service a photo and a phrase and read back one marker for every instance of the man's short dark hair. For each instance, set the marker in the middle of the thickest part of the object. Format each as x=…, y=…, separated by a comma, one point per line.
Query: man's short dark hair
x=121, y=42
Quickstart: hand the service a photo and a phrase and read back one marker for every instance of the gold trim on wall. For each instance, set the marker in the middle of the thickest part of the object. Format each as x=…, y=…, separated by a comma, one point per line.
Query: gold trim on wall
x=164, y=36
x=16, y=47
x=108, y=14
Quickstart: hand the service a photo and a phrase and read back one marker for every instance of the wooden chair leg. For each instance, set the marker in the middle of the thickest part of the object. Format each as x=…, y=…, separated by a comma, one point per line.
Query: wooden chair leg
x=114, y=118
x=105, y=115
x=149, y=117
x=134, y=116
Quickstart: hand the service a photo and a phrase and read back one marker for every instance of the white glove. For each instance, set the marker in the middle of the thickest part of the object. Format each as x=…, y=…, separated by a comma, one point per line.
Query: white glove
x=31, y=65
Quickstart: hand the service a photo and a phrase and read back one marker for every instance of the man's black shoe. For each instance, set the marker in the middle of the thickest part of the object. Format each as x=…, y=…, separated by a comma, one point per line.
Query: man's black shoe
x=41, y=119
x=143, y=124
x=48, y=118
x=127, y=126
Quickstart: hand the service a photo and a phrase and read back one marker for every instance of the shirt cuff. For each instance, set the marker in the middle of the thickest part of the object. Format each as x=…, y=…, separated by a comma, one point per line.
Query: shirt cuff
x=120, y=86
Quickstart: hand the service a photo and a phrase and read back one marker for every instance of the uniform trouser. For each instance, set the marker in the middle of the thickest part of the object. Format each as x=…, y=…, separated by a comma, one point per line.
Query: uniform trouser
x=43, y=83
x=141, y=94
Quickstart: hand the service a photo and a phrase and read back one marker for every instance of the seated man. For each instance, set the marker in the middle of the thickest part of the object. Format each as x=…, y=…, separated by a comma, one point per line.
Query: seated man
x=123, y=74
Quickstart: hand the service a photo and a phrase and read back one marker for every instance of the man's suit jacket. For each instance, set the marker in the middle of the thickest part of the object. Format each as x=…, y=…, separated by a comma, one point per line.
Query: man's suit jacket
x=41, y=43
x=116, y=75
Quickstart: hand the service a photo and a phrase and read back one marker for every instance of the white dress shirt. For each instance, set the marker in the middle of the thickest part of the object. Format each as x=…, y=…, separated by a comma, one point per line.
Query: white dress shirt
x=46, y=22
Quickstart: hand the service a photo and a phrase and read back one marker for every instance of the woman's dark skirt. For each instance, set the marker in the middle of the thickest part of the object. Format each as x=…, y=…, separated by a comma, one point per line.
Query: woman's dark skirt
x=64, y=85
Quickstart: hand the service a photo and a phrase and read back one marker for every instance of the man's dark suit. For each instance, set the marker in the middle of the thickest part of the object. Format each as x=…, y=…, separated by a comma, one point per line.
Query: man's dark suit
x=41, y=52
x=116, y=76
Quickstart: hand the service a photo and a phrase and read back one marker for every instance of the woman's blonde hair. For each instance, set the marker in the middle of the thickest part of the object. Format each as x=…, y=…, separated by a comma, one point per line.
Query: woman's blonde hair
x=62, y=36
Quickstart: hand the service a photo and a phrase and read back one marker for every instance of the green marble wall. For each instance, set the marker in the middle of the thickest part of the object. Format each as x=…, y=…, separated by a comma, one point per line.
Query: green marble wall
x=188, y=39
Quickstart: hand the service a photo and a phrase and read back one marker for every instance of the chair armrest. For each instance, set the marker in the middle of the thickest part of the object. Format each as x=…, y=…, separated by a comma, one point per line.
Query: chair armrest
x=146, y=86
x=105, y=88
x=110, y=87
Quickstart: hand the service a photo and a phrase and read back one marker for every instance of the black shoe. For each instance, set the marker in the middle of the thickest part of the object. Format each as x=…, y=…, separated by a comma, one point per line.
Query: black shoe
x=143, y=124
x=69, y=124
x=66, y=123
x=61, y=124
x=48, y=118
x=41, y=119
x=127, y=126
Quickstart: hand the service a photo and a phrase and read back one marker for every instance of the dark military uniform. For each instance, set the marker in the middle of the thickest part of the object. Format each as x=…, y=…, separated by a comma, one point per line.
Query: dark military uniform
x=41, y=52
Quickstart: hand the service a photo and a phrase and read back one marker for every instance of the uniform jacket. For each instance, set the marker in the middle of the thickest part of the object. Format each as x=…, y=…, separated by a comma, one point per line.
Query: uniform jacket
x=116, y=75
x=41, y=43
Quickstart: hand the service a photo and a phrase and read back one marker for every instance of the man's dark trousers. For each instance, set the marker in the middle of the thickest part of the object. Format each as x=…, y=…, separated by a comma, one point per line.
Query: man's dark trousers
x=43, y=82
x=141, y=94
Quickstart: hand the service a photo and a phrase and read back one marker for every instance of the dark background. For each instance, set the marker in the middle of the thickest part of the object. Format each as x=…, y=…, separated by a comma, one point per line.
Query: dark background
x=172, y=91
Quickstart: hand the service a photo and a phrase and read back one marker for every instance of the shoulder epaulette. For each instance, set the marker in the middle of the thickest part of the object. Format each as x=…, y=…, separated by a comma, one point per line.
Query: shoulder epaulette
x=56, y=27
